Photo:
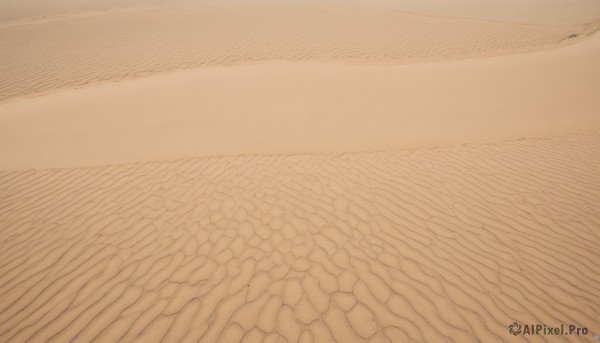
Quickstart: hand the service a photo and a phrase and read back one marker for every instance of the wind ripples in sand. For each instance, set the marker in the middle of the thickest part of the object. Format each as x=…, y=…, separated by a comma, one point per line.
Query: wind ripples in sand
x=425, y=245
x=73, y=51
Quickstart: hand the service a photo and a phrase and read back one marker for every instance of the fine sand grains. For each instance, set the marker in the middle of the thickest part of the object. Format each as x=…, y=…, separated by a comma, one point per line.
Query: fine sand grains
x=426, y=245
x=73, y=50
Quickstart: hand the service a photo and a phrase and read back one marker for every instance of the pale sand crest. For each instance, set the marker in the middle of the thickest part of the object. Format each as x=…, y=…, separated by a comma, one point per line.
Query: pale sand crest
x=307, y=107
x=64, y=52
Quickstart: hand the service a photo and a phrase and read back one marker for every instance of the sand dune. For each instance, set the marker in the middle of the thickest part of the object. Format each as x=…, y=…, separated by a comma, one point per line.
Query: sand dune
x=391, y=171
x=524, y=11
x=293, y=107
x=73, y=50
x=425, y=245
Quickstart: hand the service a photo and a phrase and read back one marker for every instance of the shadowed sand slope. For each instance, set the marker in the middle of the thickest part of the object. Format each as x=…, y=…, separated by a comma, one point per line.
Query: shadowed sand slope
x=425, y=245
x=40, y=55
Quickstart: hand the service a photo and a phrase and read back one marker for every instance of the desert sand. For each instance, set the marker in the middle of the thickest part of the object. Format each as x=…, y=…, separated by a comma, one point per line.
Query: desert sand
x=392, y=171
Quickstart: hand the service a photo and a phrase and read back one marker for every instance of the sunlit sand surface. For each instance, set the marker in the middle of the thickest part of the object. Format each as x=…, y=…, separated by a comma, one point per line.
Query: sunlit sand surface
x=427, y=245
x=67, y=51
x=398, y=171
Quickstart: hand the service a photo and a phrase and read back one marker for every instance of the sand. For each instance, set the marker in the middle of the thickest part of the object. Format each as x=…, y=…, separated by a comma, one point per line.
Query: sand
x=307, y=107
x=294, y=171
x=42, y=55
x=424, y=245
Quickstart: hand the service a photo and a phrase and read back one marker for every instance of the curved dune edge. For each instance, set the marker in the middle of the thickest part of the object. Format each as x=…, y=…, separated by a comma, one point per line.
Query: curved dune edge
x=287, y=108
x=425, y=245
x=41, y=57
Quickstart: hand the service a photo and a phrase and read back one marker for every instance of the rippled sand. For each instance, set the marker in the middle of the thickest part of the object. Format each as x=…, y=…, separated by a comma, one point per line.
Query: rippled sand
x=382, y=172
x=426, y=245
x=64, y=52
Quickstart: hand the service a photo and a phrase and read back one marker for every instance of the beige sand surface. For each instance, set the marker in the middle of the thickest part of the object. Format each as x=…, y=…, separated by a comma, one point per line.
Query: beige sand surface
x=390, y=171
x=73, y=50
x=528, y=11
x=525, y=11
x=427, y=245
x=307, y=107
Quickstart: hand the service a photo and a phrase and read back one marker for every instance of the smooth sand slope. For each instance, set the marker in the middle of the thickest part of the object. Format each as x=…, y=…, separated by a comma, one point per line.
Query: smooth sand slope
x=290, y=188
x=431, y=245
x=305, y=107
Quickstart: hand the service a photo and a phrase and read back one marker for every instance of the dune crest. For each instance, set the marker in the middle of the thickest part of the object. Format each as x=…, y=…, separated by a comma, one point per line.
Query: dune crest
x=76, y=50
x=306, y=107
x=299, y=170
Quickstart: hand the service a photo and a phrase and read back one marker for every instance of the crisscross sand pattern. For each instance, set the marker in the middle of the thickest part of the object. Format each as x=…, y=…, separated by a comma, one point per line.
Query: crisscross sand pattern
x=39, y=56
x=448, y=244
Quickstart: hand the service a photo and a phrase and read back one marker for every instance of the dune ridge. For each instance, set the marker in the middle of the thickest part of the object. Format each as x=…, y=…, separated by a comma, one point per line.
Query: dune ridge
x=307, y=107
x=420, y=245
x=315, y=171
x=76, y=50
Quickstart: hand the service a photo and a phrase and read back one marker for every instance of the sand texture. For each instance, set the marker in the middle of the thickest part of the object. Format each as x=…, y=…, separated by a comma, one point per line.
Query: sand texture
x=307, y=107
x=426, y=245
x=69, y=51
x=298, y=170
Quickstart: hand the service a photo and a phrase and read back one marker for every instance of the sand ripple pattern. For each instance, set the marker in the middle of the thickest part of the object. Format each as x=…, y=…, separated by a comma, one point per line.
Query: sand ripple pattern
x=40, y=56
x=432, y=245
